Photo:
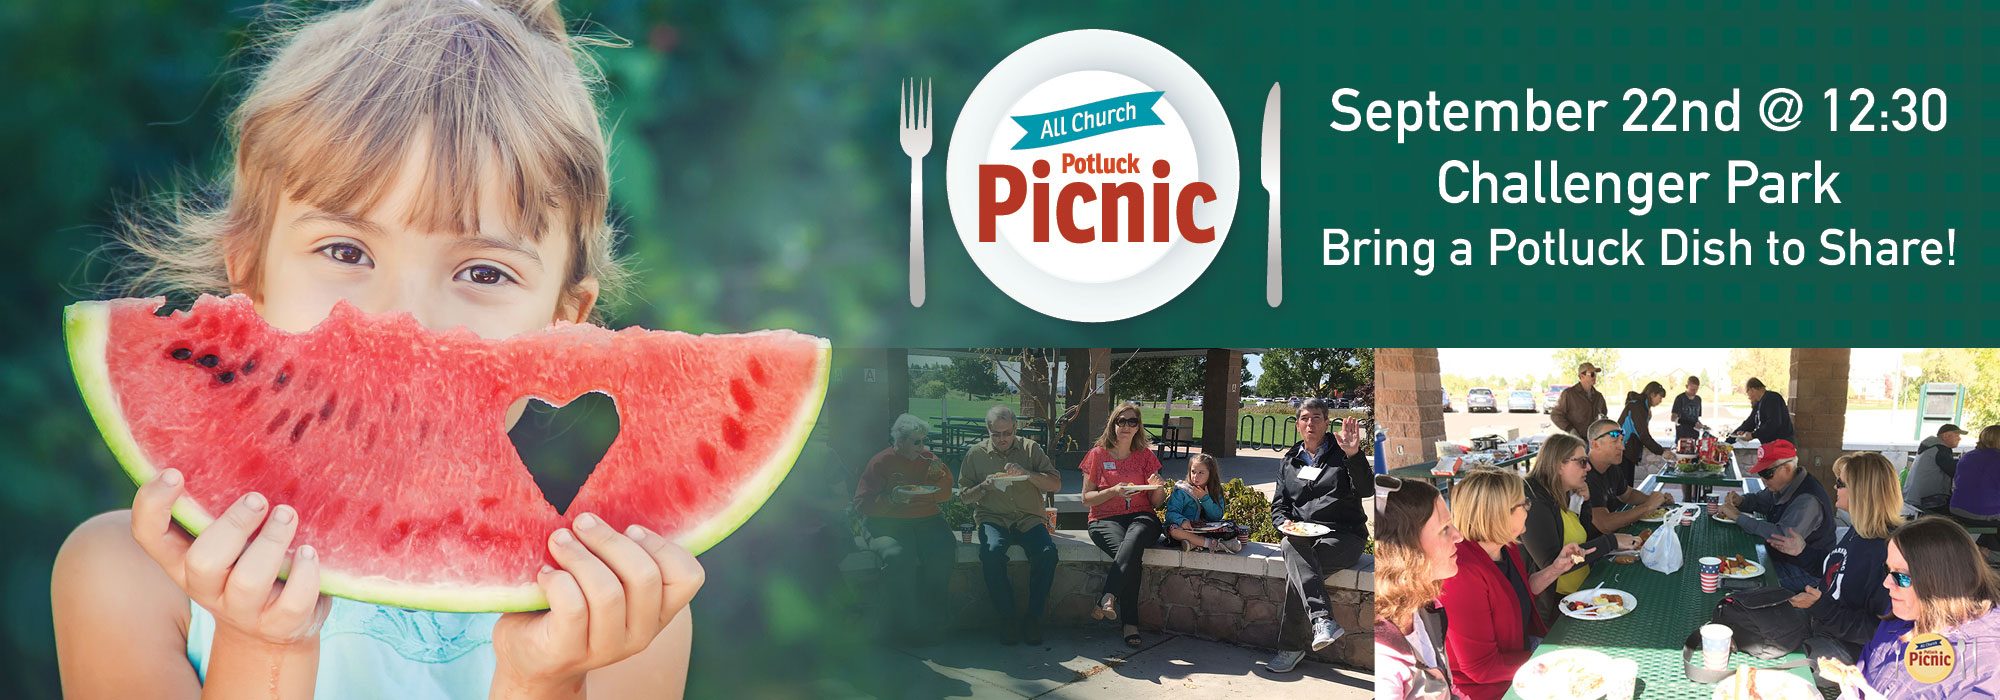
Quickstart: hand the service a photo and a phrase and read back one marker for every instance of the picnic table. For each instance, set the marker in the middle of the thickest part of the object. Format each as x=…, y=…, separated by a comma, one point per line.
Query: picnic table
x=1669, y=607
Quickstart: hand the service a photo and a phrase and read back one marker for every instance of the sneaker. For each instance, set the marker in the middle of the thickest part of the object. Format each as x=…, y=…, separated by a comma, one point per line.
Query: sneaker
x=1325, y=632
x=1233, y=545
x=1031, y=630
x=1285, y=661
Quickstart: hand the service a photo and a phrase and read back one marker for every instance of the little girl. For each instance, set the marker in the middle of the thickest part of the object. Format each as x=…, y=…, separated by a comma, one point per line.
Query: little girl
x=1197, y=502
x=441, y=158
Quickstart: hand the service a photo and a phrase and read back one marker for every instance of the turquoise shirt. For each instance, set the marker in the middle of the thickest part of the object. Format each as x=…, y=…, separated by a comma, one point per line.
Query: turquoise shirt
x=371, y=651
x=1183, y=506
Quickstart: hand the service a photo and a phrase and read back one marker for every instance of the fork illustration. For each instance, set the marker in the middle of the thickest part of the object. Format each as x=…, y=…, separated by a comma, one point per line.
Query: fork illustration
x=916, y=128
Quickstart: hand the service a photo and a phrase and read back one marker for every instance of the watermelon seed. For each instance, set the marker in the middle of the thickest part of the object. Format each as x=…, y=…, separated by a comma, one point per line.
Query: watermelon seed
x=207, y=360
x=282, y=378
x=249, y=365
x=757, y=372
x=707, y=453
x=182, y=354
x=741, y=393
x=326, y=409
x=733, y=433
x=277, y=420
x=300, y=428
x=226, y=377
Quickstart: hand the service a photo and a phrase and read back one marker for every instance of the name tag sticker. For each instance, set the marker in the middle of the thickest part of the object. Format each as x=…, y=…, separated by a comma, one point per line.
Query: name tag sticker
x=1110, y=466
x=1309, y=473
x=1929, y=658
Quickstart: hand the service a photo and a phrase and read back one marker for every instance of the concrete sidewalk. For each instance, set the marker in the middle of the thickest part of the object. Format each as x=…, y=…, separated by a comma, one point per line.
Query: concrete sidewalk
x=1095, y=663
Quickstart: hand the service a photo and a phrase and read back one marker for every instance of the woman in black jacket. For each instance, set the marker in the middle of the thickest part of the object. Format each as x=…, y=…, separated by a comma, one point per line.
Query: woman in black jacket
x=1553, y=486
x=1637, y=420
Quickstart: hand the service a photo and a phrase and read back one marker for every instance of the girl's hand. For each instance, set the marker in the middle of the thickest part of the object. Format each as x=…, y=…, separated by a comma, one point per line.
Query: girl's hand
x=612, y=596
x=231, y=570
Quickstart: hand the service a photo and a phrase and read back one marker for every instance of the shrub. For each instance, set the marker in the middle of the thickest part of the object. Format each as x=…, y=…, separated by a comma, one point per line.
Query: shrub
x=933, y=389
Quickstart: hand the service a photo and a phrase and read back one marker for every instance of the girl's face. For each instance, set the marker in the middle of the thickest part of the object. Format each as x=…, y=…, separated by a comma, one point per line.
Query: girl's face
x=1902, y=601
x=1574, y=467
x=496, y=283
x=1440, y=542
x=1198, y=474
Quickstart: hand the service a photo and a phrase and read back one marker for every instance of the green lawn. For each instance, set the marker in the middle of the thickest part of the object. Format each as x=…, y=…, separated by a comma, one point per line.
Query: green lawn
x=1280, y=429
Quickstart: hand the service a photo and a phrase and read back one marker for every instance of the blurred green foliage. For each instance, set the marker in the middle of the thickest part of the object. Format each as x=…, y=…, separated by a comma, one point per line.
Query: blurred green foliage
x=756, y=178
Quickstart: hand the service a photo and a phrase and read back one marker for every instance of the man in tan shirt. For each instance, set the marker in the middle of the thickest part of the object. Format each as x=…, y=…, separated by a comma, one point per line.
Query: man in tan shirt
x=1005, y=478
x=1580, y=404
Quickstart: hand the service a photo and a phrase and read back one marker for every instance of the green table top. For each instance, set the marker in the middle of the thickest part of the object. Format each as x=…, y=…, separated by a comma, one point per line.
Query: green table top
x=1670, y=606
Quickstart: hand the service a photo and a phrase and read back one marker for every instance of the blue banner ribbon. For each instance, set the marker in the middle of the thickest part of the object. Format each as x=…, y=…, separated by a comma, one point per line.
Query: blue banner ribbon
x=1087, y=120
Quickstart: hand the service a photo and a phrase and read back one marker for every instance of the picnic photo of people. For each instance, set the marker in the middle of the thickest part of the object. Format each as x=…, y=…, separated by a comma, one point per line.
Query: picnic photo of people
x=1794, y=523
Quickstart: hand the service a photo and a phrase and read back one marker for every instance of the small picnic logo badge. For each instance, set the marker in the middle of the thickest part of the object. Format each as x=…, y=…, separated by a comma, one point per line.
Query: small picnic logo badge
x=1092, y=175
x=1929, y=658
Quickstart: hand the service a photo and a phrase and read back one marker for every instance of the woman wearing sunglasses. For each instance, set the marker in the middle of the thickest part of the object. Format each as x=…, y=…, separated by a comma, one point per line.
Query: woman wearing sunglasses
x=1416, y=547
x=1847, y=606
x=1494, y=626
x=1937, y=585
x=1122, y=522
x=1556, y=489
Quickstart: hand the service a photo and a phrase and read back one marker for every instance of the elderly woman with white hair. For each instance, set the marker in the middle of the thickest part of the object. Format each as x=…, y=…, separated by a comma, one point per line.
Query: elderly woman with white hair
x=899, y=493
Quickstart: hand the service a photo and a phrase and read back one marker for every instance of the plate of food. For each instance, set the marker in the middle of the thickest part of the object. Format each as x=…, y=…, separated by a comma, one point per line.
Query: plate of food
x=1563, y=675
x=1214, y=527
x=1765, y=684
x=1660, y=515
x=1133, y=488
x=1598, y=604
x=1303, y=529
x=1739, y=567
x=916, y=489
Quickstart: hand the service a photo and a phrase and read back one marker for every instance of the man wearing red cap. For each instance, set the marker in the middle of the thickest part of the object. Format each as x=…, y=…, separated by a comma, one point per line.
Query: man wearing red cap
x=1793, y=503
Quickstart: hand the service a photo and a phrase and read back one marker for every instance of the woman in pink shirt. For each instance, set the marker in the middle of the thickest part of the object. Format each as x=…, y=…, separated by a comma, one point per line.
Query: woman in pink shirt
x=1122, y=486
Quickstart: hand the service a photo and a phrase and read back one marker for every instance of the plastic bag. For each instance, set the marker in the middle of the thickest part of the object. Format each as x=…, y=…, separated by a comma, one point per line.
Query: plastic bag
x=1662, y=552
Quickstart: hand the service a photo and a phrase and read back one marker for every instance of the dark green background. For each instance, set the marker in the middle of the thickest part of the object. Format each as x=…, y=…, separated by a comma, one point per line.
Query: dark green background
x=759, y=180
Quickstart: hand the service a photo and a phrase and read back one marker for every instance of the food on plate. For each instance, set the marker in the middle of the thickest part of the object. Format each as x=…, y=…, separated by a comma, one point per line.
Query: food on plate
x=1302, y=529
x=1765, y=684
x=1643, y=536
x=1625, y=559
x=1839, y=672
x=1571, y=677
x=1658, y=514
x=1739, y=566
x=1606, y=604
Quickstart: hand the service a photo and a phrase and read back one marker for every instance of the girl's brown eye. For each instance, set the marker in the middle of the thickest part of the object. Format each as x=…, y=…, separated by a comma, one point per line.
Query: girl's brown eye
x=484, y=274
x=345, y=253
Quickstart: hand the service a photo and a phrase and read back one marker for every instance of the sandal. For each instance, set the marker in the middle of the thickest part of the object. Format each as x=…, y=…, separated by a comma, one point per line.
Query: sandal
x=1107, y=608
x=1133, y=640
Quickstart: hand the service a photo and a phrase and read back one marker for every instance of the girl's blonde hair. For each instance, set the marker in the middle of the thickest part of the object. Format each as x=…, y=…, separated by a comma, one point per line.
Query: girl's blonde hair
x=1403, y=578
x=492, y=90
x=1109, y=438
x=1874, y=496
x=1482, y=503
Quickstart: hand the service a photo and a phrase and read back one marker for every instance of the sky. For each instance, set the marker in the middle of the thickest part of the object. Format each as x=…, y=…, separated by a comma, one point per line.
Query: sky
x=1525, y=362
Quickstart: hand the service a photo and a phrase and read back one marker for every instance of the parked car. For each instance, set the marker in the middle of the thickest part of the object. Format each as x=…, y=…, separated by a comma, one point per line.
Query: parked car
x=1553, y=395
x=1447, y=400
x=1480, y=399
x=1197, y=402
x=1521, y=401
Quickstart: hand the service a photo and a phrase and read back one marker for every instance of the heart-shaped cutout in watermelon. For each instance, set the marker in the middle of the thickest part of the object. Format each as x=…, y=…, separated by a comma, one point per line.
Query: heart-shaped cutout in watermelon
x=391, y=439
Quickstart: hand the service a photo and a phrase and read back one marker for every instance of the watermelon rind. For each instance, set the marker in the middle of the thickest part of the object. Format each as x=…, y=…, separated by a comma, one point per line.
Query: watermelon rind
x=87, y=328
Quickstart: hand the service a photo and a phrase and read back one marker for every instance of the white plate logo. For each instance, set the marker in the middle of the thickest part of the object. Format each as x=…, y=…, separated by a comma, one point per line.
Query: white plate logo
x=1092, y=175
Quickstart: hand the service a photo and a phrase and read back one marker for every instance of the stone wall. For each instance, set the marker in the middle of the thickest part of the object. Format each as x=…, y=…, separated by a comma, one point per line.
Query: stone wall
x=1236, y=598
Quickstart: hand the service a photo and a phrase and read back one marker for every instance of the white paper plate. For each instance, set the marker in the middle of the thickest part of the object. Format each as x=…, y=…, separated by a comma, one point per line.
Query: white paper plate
x=1587, y=597
x=1299, y=529
x=1563, y=674
x=1756, y=570
x=1771, y=685
x=916, y=490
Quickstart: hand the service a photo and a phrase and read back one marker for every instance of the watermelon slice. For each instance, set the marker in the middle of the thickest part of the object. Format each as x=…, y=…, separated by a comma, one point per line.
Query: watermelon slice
x=391, y=440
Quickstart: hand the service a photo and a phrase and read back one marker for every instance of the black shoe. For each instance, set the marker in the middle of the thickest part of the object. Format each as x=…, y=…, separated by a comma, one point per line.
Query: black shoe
x=1031, y=630
x=1009, y=635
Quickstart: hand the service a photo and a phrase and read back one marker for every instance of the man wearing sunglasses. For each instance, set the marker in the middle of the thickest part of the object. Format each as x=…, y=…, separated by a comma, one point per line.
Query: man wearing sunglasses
x=1320, y=482
x=1770, y=419
x=1792, y=501
x=1004, y=478
x=1580, y=404
x=1613, y=504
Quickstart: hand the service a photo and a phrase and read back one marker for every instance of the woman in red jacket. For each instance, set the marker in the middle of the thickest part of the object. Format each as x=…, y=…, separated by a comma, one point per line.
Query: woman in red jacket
x=1494, y=626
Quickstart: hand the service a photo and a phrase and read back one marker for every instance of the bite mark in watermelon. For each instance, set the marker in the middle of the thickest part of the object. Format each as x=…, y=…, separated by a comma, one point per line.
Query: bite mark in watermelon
x=391, y=440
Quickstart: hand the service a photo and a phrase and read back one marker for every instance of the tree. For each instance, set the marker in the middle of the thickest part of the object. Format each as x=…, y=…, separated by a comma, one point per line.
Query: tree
x=1153, y=377
x=1772, y=365
x=973, y=376
x=1568, y=359
x=1315, y=371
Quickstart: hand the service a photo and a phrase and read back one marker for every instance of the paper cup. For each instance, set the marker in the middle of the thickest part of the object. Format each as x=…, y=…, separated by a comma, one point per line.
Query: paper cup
x=1715, y=641
x=1050, y=515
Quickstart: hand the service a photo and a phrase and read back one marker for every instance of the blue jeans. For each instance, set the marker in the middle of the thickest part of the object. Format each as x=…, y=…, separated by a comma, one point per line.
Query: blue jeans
x=1034, y=542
